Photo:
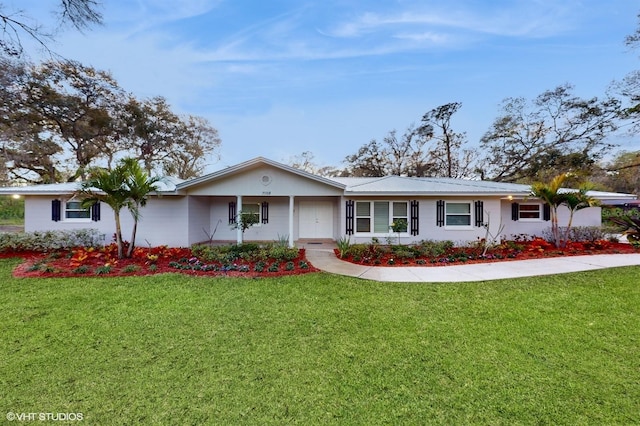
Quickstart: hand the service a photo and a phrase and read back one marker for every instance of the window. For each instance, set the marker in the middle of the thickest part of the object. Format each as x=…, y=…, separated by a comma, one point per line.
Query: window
x=400, y=216
x=377, y=216
x=530, y=211
x=363, y=217
x=458, y=214
x=252, y=209
x=74, y=210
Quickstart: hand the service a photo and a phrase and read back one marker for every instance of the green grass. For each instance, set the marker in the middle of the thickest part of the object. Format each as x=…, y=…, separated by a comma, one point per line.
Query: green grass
x=319, y=349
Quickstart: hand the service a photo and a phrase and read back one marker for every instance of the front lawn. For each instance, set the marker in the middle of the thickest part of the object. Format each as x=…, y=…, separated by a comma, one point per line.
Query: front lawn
x=318, y=348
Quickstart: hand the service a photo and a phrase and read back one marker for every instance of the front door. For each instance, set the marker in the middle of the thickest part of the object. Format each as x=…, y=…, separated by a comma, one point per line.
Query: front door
x=316, y=219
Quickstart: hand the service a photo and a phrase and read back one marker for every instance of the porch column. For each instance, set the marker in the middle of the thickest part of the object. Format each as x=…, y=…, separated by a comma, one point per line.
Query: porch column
x=238, y=212
x=291, y=220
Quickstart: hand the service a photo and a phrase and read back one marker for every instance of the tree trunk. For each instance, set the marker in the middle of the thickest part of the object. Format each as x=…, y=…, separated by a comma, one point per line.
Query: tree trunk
x=118, y=234
x=133, y=238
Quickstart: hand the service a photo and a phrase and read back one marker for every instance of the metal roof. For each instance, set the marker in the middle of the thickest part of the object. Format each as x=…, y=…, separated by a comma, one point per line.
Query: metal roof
x=165, y=186
x=374, y=186
x=399, y=185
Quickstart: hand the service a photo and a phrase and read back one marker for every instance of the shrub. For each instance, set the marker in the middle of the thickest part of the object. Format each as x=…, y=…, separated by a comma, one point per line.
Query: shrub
x=283, y=240
x=587, y=233
x=629, y=226
x=403, y=252
x=103, y=270
x=432, y=248
x=274, y=267
x=290, y=266
x=344, y=243
x=283, y=253
x=50, y=240
x=82, y=269
x=130, y=268
x=578, y=233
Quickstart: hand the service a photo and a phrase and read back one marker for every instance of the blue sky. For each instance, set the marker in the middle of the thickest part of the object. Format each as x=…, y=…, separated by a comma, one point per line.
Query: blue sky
x=280, y=77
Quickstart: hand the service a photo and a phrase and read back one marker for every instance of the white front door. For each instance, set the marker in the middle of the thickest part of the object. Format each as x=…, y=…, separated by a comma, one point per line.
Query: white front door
x=316, y=219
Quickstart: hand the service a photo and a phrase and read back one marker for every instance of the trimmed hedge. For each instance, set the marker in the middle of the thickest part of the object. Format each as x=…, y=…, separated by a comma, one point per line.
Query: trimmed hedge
x=50, y=240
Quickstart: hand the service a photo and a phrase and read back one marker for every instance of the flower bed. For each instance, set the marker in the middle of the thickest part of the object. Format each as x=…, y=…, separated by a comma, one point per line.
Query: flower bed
x=103, y=261
x=442, y=253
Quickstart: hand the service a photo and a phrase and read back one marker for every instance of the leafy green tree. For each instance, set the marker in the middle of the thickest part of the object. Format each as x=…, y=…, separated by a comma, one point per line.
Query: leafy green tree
x=555, y=133
x=59, y=119
x=621, y=174
x=62, y=108
x=166, y=142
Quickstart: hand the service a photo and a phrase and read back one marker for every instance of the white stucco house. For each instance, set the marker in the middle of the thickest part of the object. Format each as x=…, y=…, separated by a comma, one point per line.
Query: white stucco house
x=297, y=205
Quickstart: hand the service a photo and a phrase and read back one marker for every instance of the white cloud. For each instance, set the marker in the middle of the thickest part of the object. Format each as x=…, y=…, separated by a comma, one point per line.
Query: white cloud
x=523, y=19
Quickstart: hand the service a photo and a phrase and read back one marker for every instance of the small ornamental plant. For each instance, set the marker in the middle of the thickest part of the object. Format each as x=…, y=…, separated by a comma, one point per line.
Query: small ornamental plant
x=245, y=221
x=398, y=226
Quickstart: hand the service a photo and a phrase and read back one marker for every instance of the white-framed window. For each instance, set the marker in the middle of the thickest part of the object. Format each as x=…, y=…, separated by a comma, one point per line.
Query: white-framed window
x=458, y=214
x=530, y=211
x=252, y=208
x=73, y=210
x=377, y=217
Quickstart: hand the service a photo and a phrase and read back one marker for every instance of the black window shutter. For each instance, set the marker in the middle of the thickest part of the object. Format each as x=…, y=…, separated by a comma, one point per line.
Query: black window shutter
x=479, y=207
x=515, y=211
x=55, y=210
x=349, y=216
x=415, y=215
x=440, y=213
x=95, y=212
x=546, y=213
x=265, y=212
x=232, y=212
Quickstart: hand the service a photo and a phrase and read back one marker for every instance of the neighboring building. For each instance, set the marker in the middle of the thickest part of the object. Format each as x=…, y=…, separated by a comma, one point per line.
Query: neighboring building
x=298, y=205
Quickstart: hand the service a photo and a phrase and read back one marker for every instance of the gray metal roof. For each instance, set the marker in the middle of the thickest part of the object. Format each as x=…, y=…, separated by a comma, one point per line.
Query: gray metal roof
x=399, y=185
x=374, y=186
x=165, y=186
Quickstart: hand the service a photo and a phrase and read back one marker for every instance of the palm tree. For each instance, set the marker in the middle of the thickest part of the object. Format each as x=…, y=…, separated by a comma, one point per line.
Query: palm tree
x=139, y=185
x=126, y=186
x=577, y=200
x=550, y=194
x=553, y=194
x=107, y=187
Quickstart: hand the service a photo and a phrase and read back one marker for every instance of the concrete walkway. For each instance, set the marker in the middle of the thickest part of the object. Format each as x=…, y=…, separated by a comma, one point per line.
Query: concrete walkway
x=325, y=259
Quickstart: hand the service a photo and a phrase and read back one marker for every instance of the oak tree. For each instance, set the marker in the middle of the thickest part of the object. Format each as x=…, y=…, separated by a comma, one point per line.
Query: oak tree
x=555, y=133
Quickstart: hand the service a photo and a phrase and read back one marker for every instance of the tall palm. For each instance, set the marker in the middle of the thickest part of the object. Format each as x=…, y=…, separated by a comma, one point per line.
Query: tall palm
x=126, y=186
x=550, y=193
x=107, y=187
x=139, y=185
x=577, y=200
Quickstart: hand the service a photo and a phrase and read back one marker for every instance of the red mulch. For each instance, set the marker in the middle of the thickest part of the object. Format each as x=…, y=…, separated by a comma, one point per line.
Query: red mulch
x=535, y=249
x=103, y=262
